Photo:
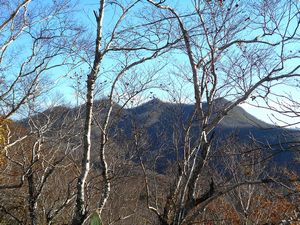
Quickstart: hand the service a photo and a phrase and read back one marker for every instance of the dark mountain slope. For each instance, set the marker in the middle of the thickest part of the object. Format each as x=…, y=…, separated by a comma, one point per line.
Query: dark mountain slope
x=162, y=124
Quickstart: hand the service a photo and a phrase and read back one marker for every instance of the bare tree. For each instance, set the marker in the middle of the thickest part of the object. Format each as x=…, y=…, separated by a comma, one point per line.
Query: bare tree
x=226, y=50
x=234, y=51
x=241, y=163
x=33, y=42
x=129, y=45
x=32, y=45
x=37, y=157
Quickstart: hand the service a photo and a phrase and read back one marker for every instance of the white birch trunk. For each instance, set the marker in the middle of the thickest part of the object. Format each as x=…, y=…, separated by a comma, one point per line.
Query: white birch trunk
x=80, y=208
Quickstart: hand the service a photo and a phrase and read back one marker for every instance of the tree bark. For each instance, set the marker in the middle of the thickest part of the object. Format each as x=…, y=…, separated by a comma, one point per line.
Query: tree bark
x=32, y=204
x=80, y=208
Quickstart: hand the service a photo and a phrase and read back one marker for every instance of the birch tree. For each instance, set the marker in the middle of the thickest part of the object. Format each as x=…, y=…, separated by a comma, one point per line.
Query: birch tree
x=130, y=44
x=235, y=50
x=36, y=159
x=33, y=39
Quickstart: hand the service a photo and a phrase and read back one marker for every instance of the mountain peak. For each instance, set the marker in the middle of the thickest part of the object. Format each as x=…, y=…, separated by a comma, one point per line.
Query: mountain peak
x=154, y=101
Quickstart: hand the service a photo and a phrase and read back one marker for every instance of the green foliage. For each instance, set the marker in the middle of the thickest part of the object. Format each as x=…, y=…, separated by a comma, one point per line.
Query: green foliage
x=95, y=219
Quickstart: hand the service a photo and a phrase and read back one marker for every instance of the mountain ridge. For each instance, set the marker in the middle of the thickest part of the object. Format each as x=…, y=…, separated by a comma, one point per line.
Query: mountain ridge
x=159, y=121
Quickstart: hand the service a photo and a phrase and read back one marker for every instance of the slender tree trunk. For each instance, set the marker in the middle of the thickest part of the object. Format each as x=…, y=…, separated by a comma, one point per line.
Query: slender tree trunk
x=80, y=210
x=105, y=176
x=32, y=204
x=80, y=207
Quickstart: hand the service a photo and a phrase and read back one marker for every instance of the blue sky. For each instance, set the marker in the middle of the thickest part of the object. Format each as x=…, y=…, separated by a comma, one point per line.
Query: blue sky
x=85, y=15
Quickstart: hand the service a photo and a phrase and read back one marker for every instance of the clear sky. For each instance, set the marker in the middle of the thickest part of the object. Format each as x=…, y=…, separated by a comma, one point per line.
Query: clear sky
x=85, y=15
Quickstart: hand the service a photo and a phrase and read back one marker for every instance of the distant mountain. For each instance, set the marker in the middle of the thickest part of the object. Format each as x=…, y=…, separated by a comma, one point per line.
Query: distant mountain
x=162, y=122
x=237, y=118
x=160, y=116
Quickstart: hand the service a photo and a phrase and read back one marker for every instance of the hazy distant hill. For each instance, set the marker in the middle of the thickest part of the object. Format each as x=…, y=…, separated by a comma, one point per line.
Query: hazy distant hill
x=158, y=116
x=159, y=121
